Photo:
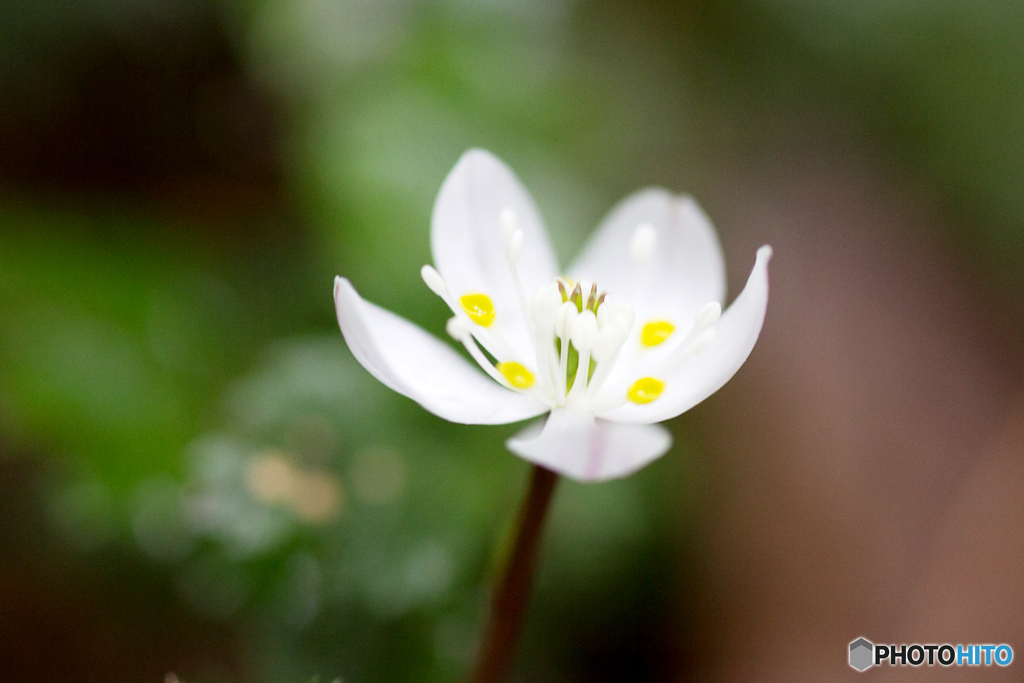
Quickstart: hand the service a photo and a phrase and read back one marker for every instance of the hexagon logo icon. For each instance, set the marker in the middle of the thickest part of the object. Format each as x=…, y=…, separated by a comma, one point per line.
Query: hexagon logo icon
x=862, y=654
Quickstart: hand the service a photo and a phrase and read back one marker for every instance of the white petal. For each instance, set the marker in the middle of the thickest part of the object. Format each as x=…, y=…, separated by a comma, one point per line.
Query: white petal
x=705, y=373
x=673, y=277
x=417, y=365
x=578, y=446
x=466, y=240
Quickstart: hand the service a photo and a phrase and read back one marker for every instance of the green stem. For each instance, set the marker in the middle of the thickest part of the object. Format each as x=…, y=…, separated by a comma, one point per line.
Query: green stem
x=512, y=592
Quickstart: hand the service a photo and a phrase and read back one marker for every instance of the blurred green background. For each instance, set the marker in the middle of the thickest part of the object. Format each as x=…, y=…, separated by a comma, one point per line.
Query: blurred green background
x=180, y=180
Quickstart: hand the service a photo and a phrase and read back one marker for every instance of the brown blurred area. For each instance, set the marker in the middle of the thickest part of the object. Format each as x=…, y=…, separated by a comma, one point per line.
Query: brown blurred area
x=864, y=470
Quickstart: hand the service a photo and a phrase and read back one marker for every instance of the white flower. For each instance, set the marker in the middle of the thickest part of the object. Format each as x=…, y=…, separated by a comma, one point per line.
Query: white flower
x=632, y=335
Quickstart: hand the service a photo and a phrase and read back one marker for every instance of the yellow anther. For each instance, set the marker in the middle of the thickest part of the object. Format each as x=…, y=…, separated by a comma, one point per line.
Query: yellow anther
x=645, y=390
x=655, y=332
x=516, y=374
x=479, y=308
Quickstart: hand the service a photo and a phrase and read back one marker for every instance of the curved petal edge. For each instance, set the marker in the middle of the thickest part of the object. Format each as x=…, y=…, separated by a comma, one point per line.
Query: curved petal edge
x=704, y=373
x=466, y=224
x=417, y=365
x=684, y=269
x=588, y=450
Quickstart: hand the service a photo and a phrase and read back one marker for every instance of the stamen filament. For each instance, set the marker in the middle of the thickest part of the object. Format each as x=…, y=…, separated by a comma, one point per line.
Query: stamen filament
x=584, y=334
x=513, y=238
x=610, y=403
x=546, y=364
x=604, y=368
x=579, y=385
x=461, y=332
x=521, y=295
x=642, y=245
x=544, y=313
x=706, y=318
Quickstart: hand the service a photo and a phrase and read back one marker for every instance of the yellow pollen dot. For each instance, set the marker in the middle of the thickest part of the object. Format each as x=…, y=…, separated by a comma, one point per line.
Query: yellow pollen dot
x=516, y=374
x=655, y=332
x=479, y=308
x=645, y=390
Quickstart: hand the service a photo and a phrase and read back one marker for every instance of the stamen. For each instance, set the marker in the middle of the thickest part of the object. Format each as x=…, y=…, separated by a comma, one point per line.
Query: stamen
x=703, y=341
x=507, y=222
x=584, y=330
x=479, y=308
x=609, y=340
x=563, y=322
x=514, y=247
x=516, y=374
x=642, y=243
x=645, y=390
x=490, y=339
x=698, y=338
x=513, y=238
x=437, y=285
x=459, y=329
x=606, y=349
x=708, y=315
x=656, y=332
x=544, y=311
x=434, y=281
x=618, y=313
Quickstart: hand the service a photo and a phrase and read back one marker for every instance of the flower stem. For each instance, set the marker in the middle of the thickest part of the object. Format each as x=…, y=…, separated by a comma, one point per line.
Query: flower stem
x=512, y=592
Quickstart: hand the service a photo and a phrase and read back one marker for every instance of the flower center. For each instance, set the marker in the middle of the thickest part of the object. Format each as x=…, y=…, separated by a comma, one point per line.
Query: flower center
x=577, y=332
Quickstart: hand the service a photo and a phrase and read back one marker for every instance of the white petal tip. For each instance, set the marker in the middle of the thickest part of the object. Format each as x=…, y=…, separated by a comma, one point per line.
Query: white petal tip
x=339, y=282
x=476, y=152
x=764, y=253
x=686, y=200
